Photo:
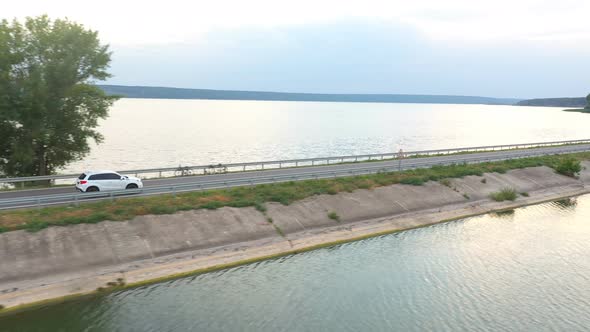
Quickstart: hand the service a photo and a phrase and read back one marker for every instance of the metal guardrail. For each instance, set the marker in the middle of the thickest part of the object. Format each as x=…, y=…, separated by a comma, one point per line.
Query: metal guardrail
x=76, y=198
x=277, y=164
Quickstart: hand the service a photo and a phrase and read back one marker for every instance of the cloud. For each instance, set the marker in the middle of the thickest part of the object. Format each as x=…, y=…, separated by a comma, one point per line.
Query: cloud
x=504, y=48
x=312, y=58
x=161, y=22
x=353, y=56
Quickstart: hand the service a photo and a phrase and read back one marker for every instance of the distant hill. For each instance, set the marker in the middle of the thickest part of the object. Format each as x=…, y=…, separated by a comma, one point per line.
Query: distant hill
x=176, y=93
x=554, y=102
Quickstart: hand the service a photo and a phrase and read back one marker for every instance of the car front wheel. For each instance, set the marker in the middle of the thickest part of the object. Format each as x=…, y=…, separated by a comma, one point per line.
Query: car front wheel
x=131, y=186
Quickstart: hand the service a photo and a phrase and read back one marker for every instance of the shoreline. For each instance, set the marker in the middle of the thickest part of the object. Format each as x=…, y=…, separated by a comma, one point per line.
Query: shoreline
x=577, y=110
x=18, y=295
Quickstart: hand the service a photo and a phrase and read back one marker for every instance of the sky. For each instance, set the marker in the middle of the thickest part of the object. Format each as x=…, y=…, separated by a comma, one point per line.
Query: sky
x=501, y=48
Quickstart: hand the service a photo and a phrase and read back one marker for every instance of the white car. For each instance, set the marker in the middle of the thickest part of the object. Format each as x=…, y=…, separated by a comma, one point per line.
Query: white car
x=106, y=181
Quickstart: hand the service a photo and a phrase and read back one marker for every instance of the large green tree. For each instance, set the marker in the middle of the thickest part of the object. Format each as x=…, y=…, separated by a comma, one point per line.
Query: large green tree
x=49, y=107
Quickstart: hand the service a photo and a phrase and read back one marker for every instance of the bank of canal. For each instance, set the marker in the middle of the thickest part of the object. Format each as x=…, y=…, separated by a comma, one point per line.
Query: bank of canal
x=521, y=270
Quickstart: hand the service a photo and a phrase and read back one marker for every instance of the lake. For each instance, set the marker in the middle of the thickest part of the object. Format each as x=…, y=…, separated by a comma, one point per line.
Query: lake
x=148, y=133
x=526, y=270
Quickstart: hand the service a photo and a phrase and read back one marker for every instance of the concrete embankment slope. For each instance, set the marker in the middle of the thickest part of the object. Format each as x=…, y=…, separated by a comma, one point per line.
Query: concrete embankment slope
x=61, y=261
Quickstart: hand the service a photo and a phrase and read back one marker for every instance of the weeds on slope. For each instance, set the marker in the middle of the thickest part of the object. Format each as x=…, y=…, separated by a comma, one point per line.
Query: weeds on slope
x=506, y=194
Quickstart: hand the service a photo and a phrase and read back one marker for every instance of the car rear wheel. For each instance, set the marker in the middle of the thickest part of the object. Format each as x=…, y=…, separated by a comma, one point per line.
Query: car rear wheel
x=131, y=186
x=92, y=189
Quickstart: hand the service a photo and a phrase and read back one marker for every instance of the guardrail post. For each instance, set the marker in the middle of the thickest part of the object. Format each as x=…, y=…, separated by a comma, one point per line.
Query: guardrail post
x=38, y=203
x=112, y=197
x=76, y=203
x=312, y=162
x=160, y=174
x=173, y=189
x=280, y=165
x=262, y=165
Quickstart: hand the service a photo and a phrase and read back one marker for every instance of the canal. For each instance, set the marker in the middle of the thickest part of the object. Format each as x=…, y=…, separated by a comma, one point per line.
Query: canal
x=524, y=270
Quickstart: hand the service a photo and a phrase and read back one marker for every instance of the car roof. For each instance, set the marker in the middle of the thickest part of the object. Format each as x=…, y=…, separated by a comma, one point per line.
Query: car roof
x=99, y=172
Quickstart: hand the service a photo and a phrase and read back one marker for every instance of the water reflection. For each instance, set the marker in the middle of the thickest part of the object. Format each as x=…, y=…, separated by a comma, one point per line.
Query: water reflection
x=167, y=133
x=506, y=214
x=566, y=204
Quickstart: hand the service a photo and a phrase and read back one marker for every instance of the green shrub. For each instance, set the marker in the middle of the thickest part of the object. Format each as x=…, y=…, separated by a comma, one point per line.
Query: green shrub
x=506, y=194
x=334, y=216
x=525, y=194
x=332, y=191
x=484, y=181
x=162, y=209
x=213, y=205
x=498, y=169
x=466, y=196
x=364, y=185
x=445, y=182
x=260, y=207
x=279, y=231
x=568, y=167
x=36, y=225
x=95, y=218
x=413, y=180
x=239, y=203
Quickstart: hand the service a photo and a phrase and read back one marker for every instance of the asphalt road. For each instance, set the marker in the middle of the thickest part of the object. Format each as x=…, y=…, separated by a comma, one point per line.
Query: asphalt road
x=9, y=199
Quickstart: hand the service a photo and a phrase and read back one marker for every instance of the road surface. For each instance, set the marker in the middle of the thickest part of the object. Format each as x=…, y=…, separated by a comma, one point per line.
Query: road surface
x=63, y=195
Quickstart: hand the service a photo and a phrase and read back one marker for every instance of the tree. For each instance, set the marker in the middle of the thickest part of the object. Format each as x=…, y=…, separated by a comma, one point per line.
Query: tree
x=49, y=107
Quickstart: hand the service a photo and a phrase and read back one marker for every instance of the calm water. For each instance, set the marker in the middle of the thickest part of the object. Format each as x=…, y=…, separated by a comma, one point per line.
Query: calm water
x=524, y=271
x=145, y=133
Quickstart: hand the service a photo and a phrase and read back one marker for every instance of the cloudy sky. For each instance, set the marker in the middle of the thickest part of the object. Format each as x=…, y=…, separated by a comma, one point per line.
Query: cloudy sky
x=500, y=48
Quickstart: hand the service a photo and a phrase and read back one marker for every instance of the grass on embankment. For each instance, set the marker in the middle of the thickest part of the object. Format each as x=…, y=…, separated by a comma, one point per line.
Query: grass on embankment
x=506, y=194
x=285, y=193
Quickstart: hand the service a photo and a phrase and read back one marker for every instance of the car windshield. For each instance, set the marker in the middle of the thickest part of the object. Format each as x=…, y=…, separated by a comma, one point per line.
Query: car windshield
x=81, y=177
